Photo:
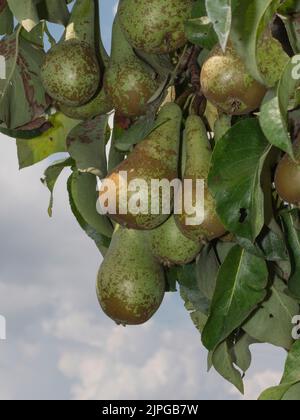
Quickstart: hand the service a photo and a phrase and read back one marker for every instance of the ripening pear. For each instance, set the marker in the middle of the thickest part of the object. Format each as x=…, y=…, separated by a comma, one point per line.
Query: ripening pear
x=130, y=184
x=155, y=26
x=71, y=72
x=271, y=58
x=198, y=159
x=226, y=83
x=100, y=105
x=131, y=282
x=287, y=177
x=128, y=81
x=170, y=246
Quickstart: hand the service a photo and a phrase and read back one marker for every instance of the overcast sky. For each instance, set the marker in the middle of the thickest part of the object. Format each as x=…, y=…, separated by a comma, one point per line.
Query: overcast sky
x=59, y=344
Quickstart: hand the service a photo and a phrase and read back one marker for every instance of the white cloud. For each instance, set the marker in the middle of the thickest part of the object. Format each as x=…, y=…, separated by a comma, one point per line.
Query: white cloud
x=60, y=345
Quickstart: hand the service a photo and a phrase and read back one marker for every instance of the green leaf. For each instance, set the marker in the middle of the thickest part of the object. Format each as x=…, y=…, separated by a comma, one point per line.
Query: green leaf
x=241, y=285
x=274, y=111
x=220, y=14
x=55, y=11
x=272, y=323
x=293, y=241
x=224, y=364
x=25, y=12
x=269, y=245
x=199, y=31
x=138, y=132
x=293, y=393
x=186, y=277
x=51, y=175
x=235, y=178
x=242, y=353
x=86, y=144
x=198, y=317
x=83, y=196
x=52, y=141
x=207, y=268
x=29, y=133
x=23, y=97
x=250, y=17
x=6, y=18
x=290, y=378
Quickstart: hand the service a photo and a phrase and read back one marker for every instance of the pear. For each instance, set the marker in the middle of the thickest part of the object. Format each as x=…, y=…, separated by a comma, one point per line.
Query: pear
x=155, y=158
x=226, y=83
x=198, y=158
x=100, y=105
x=287, y=176
x=131, y=282
x=271, y=58
x=71, y=72
x=170, y=246
x=128, y=82
x=155, y=26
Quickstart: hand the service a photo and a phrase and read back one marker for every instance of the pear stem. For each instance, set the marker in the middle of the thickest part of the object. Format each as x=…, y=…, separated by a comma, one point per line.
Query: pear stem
x=120, y=47
x=82, y=23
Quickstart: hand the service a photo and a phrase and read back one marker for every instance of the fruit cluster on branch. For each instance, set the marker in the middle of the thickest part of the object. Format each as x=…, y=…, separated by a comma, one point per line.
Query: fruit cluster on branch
x=195, y=92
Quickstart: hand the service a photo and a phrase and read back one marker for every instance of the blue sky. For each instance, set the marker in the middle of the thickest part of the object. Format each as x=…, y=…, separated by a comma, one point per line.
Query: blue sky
x=59, y=344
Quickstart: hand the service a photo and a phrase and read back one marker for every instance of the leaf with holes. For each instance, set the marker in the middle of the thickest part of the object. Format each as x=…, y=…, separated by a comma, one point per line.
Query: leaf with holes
x=235, y=178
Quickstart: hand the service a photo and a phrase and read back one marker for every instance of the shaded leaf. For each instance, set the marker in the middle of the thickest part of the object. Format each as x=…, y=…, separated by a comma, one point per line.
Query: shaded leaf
x=51, y=175
x=272, y=323
x=224, y=364
x=250, y=18
x=241, y=285
x=273, y=116
x=23, y=97
x=6, y=18
x=293, y=240
x=83, y=196
x=25, y=12
x=220, y=14
x=86, y=144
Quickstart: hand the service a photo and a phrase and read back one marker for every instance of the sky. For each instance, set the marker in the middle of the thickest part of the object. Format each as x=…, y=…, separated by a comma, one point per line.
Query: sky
x=59, y=344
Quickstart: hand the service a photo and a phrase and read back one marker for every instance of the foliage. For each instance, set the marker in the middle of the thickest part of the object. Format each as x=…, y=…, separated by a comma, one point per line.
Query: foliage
x=238, y=293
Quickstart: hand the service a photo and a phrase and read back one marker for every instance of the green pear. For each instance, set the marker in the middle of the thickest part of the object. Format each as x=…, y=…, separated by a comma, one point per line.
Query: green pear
x=287, y=176
x=155, y=158
x=71, y=72
x=170, y=246
x=226, y=83
x=131, y=282
x=128, y=81
x=155, y=26
x=198, y=159
x=100, y=105
x=271, y=58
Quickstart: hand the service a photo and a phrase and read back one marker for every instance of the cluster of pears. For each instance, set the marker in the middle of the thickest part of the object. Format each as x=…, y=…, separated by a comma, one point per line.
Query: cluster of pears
x=226, y=82
x=155, y=27
x=131, y=281
x=83, y=86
